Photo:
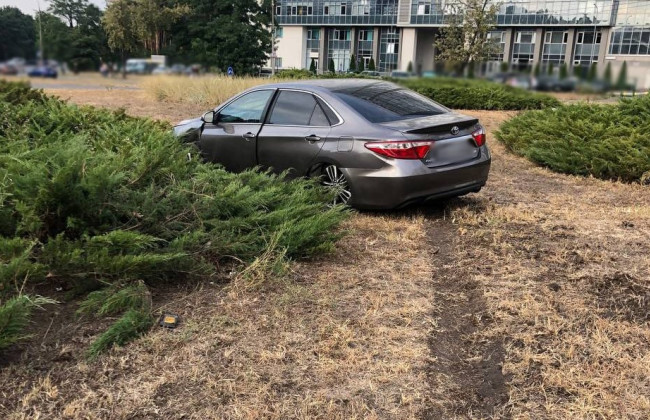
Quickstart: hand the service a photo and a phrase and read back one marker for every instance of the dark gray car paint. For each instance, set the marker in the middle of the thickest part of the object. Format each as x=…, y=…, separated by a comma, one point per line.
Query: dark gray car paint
x=375, y=181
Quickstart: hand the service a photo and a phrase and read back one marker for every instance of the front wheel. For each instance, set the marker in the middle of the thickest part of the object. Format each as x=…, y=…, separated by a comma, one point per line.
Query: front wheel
x=332, y=177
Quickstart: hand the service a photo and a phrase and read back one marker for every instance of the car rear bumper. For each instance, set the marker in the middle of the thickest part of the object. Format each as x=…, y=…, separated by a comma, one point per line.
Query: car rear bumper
x=406, y=182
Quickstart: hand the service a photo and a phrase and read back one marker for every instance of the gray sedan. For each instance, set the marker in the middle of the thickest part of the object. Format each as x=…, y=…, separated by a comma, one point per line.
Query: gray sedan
x=381, y=146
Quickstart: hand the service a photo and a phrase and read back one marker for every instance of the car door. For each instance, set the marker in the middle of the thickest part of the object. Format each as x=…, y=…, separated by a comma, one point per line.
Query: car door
x=232, y=139
x=293, y=134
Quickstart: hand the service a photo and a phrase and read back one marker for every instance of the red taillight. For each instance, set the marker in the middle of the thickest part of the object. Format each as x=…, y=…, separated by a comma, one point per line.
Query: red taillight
x=401, y=149
x=479, y=136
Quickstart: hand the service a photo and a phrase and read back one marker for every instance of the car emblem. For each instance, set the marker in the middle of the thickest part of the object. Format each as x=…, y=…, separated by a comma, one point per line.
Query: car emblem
x=455, y=130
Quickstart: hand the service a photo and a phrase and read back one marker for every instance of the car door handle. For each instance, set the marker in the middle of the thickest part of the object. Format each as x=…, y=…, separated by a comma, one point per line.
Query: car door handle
x=313, y=138
x=248, y=136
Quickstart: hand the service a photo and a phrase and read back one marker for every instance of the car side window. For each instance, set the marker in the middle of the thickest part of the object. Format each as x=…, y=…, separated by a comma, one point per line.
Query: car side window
x=246, y=109
x=297, y=108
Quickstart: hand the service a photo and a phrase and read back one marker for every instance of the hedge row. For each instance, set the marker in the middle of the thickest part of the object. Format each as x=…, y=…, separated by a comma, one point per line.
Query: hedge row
x=605, y=141
x=479, y=94
x=94, y=200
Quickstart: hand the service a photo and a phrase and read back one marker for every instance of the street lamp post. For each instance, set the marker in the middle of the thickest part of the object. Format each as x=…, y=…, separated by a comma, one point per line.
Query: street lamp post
x=272, y=38
x=593, y=47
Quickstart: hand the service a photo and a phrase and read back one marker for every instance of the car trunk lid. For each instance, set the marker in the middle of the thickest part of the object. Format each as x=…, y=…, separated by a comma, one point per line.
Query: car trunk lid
x=450, y=133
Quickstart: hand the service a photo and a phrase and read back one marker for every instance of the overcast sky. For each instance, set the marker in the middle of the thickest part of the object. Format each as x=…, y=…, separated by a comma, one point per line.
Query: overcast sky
x=31, y=6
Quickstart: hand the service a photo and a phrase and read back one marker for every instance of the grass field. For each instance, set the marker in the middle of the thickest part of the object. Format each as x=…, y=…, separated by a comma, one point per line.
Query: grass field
x=530, y=299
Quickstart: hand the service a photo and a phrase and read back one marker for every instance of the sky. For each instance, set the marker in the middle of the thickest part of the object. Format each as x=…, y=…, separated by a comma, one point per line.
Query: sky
x=31, y=6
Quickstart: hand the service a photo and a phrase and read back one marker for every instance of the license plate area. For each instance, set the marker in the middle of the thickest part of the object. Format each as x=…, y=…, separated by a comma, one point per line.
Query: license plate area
x=447, y=152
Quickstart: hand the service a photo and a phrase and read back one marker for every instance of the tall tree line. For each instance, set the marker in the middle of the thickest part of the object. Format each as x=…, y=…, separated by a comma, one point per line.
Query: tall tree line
x=214, y=33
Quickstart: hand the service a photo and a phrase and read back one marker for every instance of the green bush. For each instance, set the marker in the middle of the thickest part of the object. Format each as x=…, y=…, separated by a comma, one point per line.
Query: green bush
x=295, y=73
x=479, y=94
x=107, y=202
x=606, y=141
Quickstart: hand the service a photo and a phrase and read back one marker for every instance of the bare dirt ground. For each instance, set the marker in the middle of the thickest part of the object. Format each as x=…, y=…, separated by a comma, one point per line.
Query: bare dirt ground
x=530, y=299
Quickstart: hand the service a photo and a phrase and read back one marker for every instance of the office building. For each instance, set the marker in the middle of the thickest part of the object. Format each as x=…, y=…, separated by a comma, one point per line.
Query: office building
x=398, y=32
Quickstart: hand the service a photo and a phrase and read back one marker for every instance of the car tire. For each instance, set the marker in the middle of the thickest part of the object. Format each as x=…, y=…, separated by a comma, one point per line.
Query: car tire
x=333, y=177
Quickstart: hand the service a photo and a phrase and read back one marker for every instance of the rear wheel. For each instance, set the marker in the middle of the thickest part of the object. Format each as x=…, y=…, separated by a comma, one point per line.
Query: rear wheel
x=333, y=178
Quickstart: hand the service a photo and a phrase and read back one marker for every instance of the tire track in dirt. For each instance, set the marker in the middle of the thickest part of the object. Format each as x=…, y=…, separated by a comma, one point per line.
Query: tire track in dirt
x=465, y=373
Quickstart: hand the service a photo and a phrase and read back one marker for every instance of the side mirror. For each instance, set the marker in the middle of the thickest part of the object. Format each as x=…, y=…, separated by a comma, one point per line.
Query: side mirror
x=209, y=117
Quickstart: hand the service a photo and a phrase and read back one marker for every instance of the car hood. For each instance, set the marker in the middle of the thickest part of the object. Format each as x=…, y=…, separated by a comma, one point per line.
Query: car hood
x=189, y=130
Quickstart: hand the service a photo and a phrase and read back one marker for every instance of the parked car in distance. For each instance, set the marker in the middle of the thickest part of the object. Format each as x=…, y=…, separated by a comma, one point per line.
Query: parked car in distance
x=43, y=71
x=371, y=73
x=7, y=69
x=140, y=66
x=401, y=74
x=378, y=144
x=161, y=70
x=178, y=69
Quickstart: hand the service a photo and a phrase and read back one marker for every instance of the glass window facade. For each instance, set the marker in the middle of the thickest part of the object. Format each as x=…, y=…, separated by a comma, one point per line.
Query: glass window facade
x=555, y=12
x=554, y=49
x=337, y=12
x=364, y=45
x=388, y=49
x=499, y=38
x=630, y=41
x=312, y=46
x=587, y=47
x=631, y=36
x=523, y=47
x=339, y=46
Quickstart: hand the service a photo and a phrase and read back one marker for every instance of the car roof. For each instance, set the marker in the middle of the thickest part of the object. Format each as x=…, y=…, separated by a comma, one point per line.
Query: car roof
x=336, y=85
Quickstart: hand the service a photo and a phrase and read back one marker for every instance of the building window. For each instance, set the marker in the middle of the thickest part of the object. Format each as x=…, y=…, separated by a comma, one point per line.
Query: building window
x=554, y=48
x=587, y=47
x=278, y=10
x=279, y=32
x=499, y=39
x=388, y=49
x=523, y=48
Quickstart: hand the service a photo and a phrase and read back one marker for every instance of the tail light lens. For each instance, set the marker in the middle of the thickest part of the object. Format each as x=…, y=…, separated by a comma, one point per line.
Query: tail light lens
x=401, y=149
x=479, y=136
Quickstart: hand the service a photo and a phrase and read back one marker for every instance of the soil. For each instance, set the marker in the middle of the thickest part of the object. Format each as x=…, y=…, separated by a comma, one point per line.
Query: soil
x=526, y=300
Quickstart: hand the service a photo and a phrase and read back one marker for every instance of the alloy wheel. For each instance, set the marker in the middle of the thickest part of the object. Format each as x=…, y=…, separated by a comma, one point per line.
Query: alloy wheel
x=334, y=178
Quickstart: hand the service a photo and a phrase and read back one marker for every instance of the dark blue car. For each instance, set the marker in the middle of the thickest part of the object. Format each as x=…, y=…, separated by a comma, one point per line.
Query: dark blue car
x=43, y=71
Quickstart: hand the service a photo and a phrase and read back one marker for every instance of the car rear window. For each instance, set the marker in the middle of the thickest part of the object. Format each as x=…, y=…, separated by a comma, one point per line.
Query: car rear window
x=383, y=103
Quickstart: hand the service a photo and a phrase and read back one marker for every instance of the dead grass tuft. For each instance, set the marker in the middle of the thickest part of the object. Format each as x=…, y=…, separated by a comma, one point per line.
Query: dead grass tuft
x=208, y=91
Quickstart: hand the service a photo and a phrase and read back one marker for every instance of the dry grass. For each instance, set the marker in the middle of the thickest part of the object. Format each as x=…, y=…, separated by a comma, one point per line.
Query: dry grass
x=208, y=91
x=528, y=300
x=567, y=288
x=323, y=342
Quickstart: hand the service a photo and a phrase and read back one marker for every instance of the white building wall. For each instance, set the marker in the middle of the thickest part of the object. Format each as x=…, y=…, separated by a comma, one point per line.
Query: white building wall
x=638, y=69
x=408, y=45
x=291, y=47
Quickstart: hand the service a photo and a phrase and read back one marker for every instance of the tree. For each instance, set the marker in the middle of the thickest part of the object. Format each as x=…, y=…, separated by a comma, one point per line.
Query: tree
x=353, y=63
x=153, y=19
x=409, y=67
x=537, y=71
x=17, y=36
x=593, y=72
x=621, y=82
x=564, y=72
x=331, y=67
x=312, y=66
x=371, y=64
x=608, y=75
x=222, y=34
x=550, y=69
x=503, y=67
x=70, y=10
x=119, y=23
x=466, y=40
x=361, y=66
